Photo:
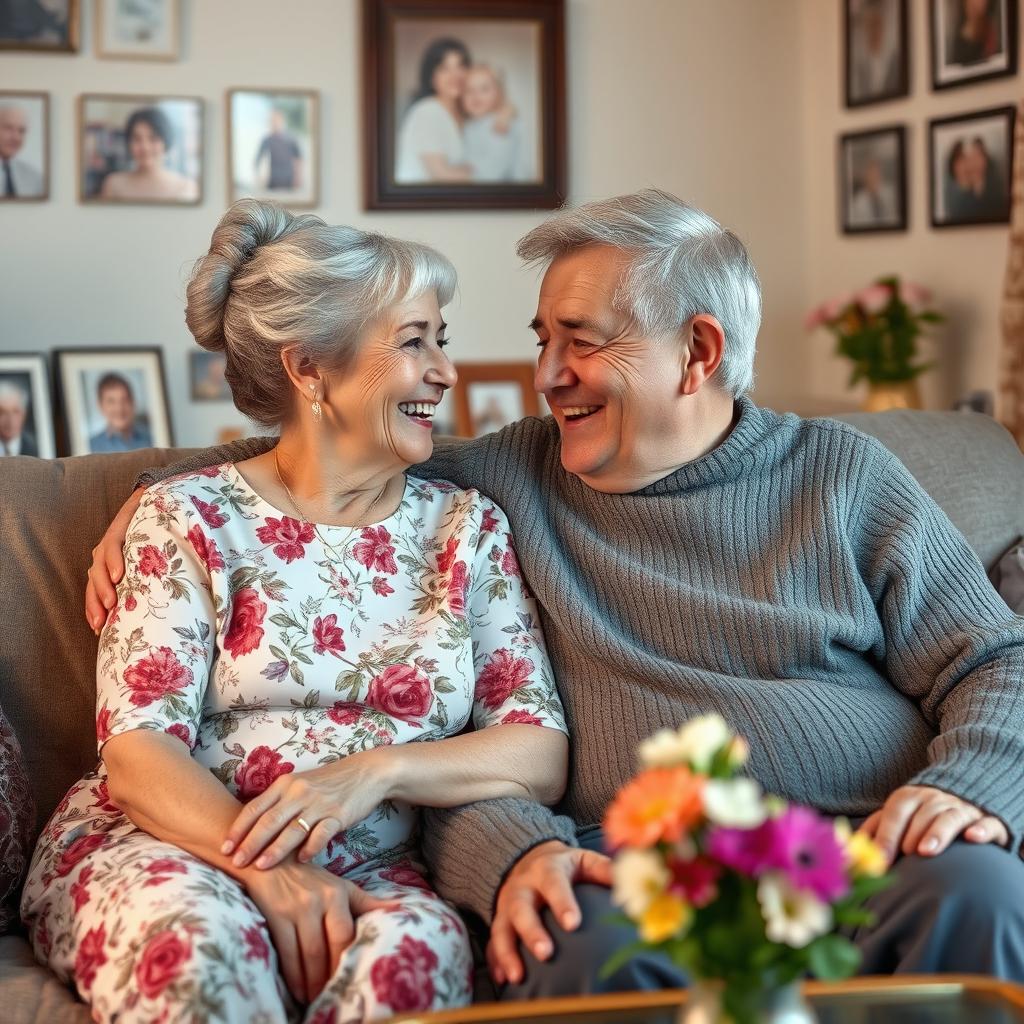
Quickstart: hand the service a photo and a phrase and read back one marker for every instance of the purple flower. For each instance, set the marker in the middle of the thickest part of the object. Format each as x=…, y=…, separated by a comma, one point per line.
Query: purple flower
x=275, y=671
x=745, y=850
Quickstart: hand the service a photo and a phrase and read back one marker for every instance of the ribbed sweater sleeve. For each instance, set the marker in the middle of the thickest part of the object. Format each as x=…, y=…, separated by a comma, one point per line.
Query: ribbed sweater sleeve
x=216, y=455
x=950, y=643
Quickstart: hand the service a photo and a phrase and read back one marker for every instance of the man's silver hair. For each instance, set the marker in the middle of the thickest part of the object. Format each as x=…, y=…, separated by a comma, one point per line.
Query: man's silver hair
x=683, y=263
x=9, y=389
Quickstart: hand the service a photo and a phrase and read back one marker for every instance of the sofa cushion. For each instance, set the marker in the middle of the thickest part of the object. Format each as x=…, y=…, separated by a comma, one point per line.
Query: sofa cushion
x=51, y=515
x=967, y=462
x=31, y=993
x=17, y=821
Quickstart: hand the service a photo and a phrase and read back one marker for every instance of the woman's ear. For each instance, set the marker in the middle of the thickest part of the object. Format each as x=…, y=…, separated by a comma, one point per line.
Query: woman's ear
x=705, y=345
x=303, y=374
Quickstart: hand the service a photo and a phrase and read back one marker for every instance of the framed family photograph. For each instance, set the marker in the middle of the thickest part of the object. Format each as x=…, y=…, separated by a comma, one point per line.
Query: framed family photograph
x=207, y=382
x=26, y=416
x=140, y=149
x=138, y=29
x=47, y=26
x=274, y=145
x=972, y=41
x=490, y=396
x=464, y=104
x=873, y=180
x=876, y=51
x=24, y=145
x=112, y=400
x=971, y=168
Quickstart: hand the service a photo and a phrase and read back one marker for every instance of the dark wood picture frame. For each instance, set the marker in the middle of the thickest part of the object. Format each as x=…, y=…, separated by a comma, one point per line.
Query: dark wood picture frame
x=313, y=97
x=1009, y=112
x=28, y=94
x=142, y=101
x=381, y=192
x=846, y=139
x=68, y=45
x=902, y=86
x=936, y=60
x=41, y=411
x=492, y=373
x=68, y=442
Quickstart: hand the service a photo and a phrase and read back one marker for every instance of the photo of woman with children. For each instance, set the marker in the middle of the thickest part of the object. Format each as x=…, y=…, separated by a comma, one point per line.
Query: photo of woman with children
x=467, y=96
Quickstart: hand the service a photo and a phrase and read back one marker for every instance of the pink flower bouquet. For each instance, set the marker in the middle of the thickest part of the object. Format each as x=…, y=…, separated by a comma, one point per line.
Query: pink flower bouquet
x=737, y=888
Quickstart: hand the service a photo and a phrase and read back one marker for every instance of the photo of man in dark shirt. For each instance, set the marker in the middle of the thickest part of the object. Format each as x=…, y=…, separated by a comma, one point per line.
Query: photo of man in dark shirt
x=282, y=152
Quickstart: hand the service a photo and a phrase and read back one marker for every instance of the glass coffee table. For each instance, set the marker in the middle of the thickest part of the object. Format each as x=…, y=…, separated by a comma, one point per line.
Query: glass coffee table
x=908, y=999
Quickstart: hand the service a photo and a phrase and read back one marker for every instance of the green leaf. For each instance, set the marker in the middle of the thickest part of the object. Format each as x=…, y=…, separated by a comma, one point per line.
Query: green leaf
x=284, y=620
x=304, y=658
x=297, y=674
x=832, y=957
x=443, y=685
x=621, y=957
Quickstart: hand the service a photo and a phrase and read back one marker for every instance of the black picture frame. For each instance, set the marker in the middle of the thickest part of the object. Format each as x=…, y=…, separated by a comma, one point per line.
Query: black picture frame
x=984, y=209
x=380, y=117
x=900, y=87
x=938, y=28
x=73, y=430
x=850, y=221
x=30, y=374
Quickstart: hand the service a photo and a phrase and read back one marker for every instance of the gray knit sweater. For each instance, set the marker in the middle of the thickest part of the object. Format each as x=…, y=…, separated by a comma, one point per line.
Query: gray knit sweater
x=796, y=579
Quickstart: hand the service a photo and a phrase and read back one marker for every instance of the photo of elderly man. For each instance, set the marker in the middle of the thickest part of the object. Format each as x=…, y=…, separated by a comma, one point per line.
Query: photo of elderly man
x=16, y=434
x=22, y=170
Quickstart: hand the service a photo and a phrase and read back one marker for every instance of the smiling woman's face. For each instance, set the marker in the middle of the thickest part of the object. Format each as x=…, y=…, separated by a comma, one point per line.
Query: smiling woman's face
x=146, y=147
x=382, y=403
x=450, y=76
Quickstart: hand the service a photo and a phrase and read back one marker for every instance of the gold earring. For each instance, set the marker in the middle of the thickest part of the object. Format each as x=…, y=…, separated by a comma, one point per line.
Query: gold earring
x=317, y=411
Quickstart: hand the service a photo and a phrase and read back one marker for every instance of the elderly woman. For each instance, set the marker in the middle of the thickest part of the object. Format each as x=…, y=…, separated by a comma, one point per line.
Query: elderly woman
x=289, y=631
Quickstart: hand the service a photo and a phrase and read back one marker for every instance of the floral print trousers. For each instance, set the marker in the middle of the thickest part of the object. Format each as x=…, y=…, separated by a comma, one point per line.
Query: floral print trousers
x=149, y=933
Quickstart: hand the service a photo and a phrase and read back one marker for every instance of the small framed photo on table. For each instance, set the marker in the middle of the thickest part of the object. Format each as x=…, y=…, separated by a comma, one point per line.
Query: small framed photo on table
x=24, y=145
x=112, y=400
x=873, y=181
x=464, y=104
x=490, y=396
x=877, y=51
x=971, y=167
x=140, y=149
x=45, y=26
x=206, y=377
x=137, y=29
x=274, y=145
x=26, y=416
x=972, y=41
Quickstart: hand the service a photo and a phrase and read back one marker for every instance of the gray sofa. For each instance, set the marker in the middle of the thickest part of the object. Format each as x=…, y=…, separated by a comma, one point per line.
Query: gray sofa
x=52, y=512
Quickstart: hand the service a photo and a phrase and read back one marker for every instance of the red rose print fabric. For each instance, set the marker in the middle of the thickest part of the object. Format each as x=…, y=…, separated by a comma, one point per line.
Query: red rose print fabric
x=267, y=651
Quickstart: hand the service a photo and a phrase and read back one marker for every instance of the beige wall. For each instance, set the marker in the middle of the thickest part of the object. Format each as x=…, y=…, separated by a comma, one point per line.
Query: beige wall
x=962, y=266
x=690, y=95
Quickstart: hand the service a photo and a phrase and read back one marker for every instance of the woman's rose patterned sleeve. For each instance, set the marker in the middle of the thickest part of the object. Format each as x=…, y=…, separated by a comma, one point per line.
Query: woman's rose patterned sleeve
x=514, y=681
x=156, y=649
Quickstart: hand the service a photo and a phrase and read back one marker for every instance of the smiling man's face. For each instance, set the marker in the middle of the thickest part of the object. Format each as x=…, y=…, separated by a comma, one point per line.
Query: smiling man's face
x=613, y=391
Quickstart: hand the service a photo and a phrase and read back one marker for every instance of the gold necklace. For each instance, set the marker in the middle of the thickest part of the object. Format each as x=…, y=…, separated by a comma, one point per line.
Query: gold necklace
x=295, y=505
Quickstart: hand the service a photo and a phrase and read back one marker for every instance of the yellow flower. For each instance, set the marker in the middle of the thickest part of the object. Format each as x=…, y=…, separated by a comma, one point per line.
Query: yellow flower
x=866, y=856
x=665, y=918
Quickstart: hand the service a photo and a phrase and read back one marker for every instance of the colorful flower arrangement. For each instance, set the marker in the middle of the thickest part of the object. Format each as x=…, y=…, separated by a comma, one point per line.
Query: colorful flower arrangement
x=877, y=328
x=734, y=886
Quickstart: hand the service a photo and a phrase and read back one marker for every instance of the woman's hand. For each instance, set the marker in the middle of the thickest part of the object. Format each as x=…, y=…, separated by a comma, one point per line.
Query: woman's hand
x=108, y=564
x=311, y=914
x=329, y=799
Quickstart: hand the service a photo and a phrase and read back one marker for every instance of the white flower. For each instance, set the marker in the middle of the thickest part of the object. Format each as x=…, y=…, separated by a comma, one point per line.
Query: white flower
x=734, y=803
x=638, y=878
x=791, y=916
x=694, y=743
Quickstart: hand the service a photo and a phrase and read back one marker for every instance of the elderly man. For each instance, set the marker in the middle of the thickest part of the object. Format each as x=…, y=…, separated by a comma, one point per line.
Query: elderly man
x=18, y=179
x=692, y=553
x=14, y=438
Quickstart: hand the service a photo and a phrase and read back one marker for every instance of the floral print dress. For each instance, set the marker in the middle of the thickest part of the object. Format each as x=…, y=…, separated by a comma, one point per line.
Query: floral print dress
x=267, y=651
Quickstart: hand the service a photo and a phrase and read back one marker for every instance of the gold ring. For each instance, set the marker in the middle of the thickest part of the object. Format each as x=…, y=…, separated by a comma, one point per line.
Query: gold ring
x=304, y=825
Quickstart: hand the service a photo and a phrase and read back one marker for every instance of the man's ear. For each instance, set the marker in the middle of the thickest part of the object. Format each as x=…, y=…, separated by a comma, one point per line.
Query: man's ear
x=705, y=346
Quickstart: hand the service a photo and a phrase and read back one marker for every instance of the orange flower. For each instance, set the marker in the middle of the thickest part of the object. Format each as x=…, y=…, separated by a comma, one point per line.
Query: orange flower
x=658, y=805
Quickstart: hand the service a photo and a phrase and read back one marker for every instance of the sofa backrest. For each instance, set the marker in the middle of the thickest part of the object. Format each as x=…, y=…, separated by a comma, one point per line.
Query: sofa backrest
x=53, y=512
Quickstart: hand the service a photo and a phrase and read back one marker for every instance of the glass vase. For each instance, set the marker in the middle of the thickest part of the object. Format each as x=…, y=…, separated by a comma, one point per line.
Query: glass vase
x=786, y=1005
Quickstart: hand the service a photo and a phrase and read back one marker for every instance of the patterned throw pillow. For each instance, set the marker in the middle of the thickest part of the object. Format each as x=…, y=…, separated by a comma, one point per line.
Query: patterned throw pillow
x=1008, y=577
x=16, y=816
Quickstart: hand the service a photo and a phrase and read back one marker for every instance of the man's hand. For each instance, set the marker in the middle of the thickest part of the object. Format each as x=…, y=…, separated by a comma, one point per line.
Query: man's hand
x=544, y=876
x=108, y=564
x=924, y=820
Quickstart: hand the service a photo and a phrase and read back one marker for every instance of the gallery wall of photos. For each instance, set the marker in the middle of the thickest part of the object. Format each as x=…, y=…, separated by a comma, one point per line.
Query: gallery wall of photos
x=148, y=150
x=969, y=154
